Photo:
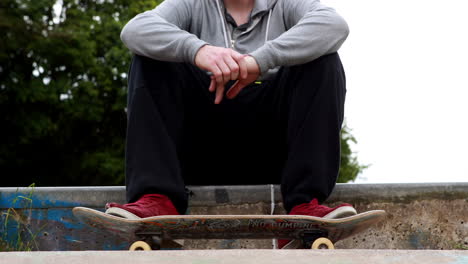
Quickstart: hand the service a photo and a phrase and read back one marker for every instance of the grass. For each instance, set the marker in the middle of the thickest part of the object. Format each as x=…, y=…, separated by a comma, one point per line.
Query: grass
x=460, y=246
x=25, y=238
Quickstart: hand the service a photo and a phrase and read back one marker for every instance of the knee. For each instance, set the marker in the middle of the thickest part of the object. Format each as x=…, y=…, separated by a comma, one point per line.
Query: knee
x=332, y=61
x=327, y=67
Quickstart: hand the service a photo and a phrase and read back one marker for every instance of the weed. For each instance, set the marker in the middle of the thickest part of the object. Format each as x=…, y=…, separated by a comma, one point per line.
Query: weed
x=460, y=246
x=24, y=239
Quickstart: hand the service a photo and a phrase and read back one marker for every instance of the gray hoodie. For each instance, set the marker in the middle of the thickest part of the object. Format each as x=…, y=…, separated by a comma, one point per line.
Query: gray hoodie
x=281, y=32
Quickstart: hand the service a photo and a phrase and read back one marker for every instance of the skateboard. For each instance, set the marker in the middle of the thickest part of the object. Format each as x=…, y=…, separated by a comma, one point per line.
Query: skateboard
x=155, y=232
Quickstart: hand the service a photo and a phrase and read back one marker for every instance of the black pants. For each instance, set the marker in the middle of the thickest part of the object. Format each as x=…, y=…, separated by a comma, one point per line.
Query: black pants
x=282, y=131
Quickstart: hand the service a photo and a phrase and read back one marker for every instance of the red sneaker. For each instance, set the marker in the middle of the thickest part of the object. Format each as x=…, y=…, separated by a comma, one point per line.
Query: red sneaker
x=314, y=209
x=148, y=205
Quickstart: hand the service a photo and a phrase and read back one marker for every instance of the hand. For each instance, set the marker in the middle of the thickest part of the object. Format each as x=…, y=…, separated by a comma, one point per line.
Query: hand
x=225, y=65
x=253, y=72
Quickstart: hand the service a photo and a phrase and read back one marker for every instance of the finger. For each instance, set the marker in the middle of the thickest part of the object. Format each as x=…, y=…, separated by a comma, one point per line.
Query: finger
x=225, y=70
x=212, y=87
x=230, y=92
x=237, y=56
x=244, y=72
x=235, y=89
x=219, y=94
x=218, y=77
x=233, y=66
x=219, y=82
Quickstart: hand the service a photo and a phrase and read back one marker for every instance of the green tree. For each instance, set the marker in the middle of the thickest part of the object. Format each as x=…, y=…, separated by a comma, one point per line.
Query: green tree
x=63, y=74
x=62, y=90
x=350, y=167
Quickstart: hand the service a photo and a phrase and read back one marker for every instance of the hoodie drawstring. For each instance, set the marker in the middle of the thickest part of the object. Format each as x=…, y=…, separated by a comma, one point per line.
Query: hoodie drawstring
x=223, y=19
x=268, y=25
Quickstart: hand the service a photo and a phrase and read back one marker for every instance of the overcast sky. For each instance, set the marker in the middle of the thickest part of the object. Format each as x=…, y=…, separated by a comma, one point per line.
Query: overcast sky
x=407, y=100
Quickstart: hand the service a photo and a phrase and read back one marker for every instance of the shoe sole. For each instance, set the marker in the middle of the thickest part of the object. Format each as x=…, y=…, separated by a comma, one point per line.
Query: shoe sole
x=119, y=212
x=340, y=212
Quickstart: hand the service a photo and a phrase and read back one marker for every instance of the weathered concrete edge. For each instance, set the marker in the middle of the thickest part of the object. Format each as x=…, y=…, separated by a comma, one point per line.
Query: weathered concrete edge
x=241, y=256
x=65, y=197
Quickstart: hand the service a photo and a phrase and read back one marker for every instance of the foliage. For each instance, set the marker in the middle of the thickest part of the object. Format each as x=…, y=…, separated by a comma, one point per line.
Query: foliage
x=459, y=246
x=24, y=239
x=62, y=92
x=350, y=167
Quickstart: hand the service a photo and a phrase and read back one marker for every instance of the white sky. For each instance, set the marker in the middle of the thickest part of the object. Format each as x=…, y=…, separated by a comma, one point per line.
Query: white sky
x=406, y=64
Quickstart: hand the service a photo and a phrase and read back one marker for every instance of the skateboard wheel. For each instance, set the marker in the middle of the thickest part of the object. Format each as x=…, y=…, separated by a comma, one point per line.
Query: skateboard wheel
x=140, y=245
x=322, y=243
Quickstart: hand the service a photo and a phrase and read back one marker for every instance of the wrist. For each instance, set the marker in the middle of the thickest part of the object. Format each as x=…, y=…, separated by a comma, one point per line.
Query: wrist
x=198, y=55
x=252, y=63
x=193, y=49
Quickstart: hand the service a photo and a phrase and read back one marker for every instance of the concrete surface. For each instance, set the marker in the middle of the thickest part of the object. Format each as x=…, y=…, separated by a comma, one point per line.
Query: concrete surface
x=420, y=216
x=240, y=256
x=64, y=197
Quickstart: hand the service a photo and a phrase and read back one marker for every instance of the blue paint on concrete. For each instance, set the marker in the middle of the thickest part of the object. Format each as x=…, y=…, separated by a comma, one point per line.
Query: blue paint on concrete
x=25, y=214
x=121, y=246
x=64, y=217
x=31, y=200
x=58, y=229
x=71, y=239
x=8, y=229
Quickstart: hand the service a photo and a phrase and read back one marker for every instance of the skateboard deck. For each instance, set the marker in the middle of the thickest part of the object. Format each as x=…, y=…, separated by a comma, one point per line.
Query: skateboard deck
x=156, y=229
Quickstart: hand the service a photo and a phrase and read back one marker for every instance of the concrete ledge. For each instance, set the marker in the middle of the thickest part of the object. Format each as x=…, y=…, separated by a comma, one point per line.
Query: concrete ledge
x=240, y=256
x=420, y=216
x=65, y=197
x=400, y=192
